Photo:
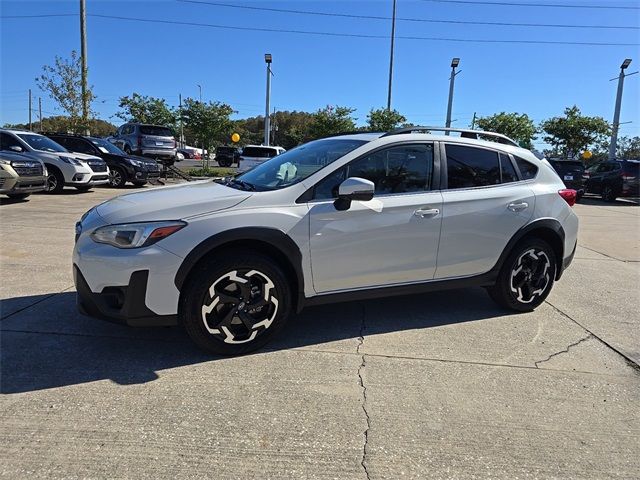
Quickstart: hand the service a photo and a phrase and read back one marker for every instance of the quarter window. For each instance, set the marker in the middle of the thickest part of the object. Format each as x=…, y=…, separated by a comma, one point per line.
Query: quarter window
x=395, y=170
x=472, y=167
x=527, y=170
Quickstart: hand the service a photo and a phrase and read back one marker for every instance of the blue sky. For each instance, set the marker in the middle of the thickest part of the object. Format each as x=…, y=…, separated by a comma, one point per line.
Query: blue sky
x=313, y=71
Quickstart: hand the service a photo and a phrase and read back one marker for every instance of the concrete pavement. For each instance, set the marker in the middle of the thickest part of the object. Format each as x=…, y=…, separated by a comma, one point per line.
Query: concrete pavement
x=443, y=385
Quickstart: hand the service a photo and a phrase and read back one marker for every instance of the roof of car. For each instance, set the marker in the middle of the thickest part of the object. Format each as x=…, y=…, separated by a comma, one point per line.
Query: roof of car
x=15, y=130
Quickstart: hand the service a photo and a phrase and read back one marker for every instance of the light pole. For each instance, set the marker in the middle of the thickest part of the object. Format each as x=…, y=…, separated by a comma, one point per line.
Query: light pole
x=616, y=114
x=200, y=88
x=267, y=128
x=83, y=60
x=393, y=34
x=454, y=64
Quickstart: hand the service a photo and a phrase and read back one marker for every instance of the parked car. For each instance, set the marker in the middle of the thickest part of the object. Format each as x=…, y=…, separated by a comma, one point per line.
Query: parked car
x=123, y=168
x=253, y=155
x=350, y=217
x=613, y=179
x=63, y=167
x=21, y=175
x=154, y=141
x=227, y=156
x=188, y=153
x=571, y=173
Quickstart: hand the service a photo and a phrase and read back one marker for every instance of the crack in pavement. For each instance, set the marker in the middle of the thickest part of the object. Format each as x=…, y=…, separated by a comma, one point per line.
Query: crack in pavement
x=364, y=393
x=608, y=256
x=566, y=350
x=46, y=297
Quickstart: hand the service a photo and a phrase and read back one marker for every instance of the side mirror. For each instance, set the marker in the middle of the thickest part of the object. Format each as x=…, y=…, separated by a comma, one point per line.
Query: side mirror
x=354, y=188
x=16, y=148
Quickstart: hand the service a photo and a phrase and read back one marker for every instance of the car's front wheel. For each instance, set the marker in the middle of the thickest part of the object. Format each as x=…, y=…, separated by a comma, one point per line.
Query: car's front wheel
x=526, y=277
x=117, y=178
x=608, y=194
x=234, y=304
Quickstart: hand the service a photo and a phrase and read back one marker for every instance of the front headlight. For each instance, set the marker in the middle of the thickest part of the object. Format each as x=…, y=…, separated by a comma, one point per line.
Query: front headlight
x=71, y=161
x=135, y=163
x=136, y=235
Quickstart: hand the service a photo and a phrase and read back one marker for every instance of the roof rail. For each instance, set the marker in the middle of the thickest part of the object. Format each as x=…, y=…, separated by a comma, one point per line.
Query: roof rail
x=466, y=133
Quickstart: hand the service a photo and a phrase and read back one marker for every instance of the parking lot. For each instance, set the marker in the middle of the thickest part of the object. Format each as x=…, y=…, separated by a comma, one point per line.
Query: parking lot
x=441, y=385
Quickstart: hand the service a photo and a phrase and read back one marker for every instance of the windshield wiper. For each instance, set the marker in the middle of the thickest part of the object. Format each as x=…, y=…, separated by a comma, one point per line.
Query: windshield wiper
x=244, y=185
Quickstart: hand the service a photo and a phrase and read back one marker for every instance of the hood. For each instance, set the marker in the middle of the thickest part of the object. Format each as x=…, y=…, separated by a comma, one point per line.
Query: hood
x=82, y=156
x=171, y=203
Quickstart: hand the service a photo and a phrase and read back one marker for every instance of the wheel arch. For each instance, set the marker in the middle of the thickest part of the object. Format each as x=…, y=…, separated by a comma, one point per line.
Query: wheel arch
x=548, y=229
x=268, y=241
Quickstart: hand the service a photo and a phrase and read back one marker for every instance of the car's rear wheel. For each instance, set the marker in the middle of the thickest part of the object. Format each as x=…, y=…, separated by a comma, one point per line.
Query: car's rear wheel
x=526, y=277
x=234, y=304
x=608, y=194
x=116, y=177
x=224, y=162
x=55, y=181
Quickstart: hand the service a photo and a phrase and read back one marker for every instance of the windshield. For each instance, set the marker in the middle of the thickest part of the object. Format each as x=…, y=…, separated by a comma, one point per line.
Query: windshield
x=39, y=142
x=106, y=147
x=297, y=164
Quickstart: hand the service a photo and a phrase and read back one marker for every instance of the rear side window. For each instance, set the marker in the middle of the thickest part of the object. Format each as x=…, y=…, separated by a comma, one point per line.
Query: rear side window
x=156, y=131
x=471, y=167
x=507, y=172
x=527, y=169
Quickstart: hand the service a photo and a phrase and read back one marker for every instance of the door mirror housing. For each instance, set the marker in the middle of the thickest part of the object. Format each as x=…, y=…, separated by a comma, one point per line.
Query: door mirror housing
x=16, y=148
x=354, y=188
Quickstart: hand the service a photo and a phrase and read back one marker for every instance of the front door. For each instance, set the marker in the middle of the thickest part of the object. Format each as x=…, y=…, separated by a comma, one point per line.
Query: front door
x=392, y=239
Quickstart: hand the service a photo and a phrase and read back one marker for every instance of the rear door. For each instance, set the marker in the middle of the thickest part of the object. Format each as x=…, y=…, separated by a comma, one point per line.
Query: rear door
x=484, y=203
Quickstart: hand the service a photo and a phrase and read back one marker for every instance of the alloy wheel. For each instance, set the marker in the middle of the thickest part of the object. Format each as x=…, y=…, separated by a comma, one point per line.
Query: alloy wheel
x=52, y=182
x=115, y=178
x=530, y=275
x=240, y=305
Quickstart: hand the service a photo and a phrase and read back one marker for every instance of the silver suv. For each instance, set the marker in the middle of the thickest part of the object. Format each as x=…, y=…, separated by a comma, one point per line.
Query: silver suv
x=153, y=141
x=21, y=175
x=344, y=218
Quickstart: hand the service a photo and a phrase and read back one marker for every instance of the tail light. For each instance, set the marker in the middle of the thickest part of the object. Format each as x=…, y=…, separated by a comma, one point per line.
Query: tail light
x=569, y=195
x=626, y=177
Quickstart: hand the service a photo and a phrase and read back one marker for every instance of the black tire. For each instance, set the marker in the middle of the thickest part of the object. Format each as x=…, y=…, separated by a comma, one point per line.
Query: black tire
x=117, y=177
x=224, y=162
x=55, y=180
x=18, y=196
x=233, y=326
x=83, y=188
x=608, y=193
x=139, y=184
x=527, y=276
x=127, y=149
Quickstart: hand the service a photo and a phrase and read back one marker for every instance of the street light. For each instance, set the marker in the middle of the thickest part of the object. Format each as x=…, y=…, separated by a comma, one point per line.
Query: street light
x=613, y=145
x=454, y=64
x=267, y=59
x=200, y=88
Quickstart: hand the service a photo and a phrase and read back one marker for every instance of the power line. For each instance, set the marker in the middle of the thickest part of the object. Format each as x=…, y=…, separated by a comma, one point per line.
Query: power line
x=355, y=35
x=552, y=5
x=41, y=16
x=423, y=20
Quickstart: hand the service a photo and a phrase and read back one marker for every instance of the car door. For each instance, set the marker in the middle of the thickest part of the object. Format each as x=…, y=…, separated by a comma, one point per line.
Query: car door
x=484, y=204
x=391, y=239
x=597, y=176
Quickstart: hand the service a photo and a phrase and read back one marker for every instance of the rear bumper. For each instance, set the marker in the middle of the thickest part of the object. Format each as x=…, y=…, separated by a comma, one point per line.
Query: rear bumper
x=566, y=262
x=120, y=304
x=158, y=152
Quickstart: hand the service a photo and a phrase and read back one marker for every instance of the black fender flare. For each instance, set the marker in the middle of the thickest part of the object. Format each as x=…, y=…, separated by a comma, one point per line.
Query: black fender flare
x=276, y=240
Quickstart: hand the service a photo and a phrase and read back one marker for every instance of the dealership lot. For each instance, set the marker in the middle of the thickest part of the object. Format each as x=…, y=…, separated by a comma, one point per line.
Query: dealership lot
x=442, y=385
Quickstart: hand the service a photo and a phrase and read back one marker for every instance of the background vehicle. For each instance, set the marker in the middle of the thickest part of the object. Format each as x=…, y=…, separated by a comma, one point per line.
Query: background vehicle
x=343, y=218
x=123, y=168
x=619, y=178
x=188, y=153
x=154, y=141
x=253, y=155
x=571, y=173
x=63, y=167
x=226, y=155
x=21, y=174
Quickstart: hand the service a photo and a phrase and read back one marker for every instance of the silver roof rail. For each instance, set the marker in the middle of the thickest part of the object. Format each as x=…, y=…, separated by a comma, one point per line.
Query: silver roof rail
x=465, y=133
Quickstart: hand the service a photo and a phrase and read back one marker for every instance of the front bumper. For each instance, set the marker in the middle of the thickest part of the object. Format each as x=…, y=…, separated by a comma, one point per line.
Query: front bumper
x=120, y=304
x=10, y=184
x=89, y=179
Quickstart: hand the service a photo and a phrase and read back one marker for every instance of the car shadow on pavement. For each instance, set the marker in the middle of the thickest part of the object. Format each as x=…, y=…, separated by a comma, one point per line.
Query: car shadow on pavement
x=50, y=345
x=619, y=202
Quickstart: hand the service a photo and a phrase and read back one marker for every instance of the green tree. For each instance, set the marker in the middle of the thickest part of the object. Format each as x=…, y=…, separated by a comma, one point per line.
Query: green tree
x=573, y=133
x=628, y=148
x=517, y=126
x=383, y=120
x=62, y=81
x=331, y=120
x=60, y=124
x=289, y=128
x=145, y=109
x=208, y=122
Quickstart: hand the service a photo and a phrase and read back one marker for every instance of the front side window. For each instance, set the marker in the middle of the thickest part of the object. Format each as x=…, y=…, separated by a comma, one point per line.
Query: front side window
x=469, y=167
x=78, y=145
x=40, y=142
x=106, y=147
x=395, y=170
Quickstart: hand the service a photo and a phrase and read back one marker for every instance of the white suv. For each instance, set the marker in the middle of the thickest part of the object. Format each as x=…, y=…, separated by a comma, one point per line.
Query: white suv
x=343, y=218
x=254, y=155
x=77, y=170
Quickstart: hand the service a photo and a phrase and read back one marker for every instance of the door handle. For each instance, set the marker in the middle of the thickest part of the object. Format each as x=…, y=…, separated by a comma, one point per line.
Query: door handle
x=517, y=206
x=428, y=212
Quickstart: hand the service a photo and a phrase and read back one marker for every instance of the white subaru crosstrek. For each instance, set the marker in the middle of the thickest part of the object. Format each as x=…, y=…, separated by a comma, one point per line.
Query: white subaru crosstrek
x=344, y=218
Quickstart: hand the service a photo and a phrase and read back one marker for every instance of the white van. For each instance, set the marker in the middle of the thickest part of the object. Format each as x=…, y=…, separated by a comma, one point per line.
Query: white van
x=254, y=155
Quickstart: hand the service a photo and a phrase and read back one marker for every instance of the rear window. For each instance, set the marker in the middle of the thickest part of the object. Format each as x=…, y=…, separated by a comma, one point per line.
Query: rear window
x=471, y=167
x=156, y=131
x=527, y=169
x=632, y=168
x=259, y=152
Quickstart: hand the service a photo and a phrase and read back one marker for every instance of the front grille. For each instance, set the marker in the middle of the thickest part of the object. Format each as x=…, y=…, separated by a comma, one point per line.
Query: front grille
x=98, y=166
x=96, y=178
x=28, y=171
x=152, y=167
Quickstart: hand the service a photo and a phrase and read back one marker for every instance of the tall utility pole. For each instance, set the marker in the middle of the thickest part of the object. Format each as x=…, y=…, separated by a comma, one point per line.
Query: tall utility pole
x=40, y=112
x=616, y=114
x=83, y=60
x=181, y=129
x=29, y=109
x=267, y=120
x=393, y=36
x=200, y=88
x=473, y=122
x=454, y=64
